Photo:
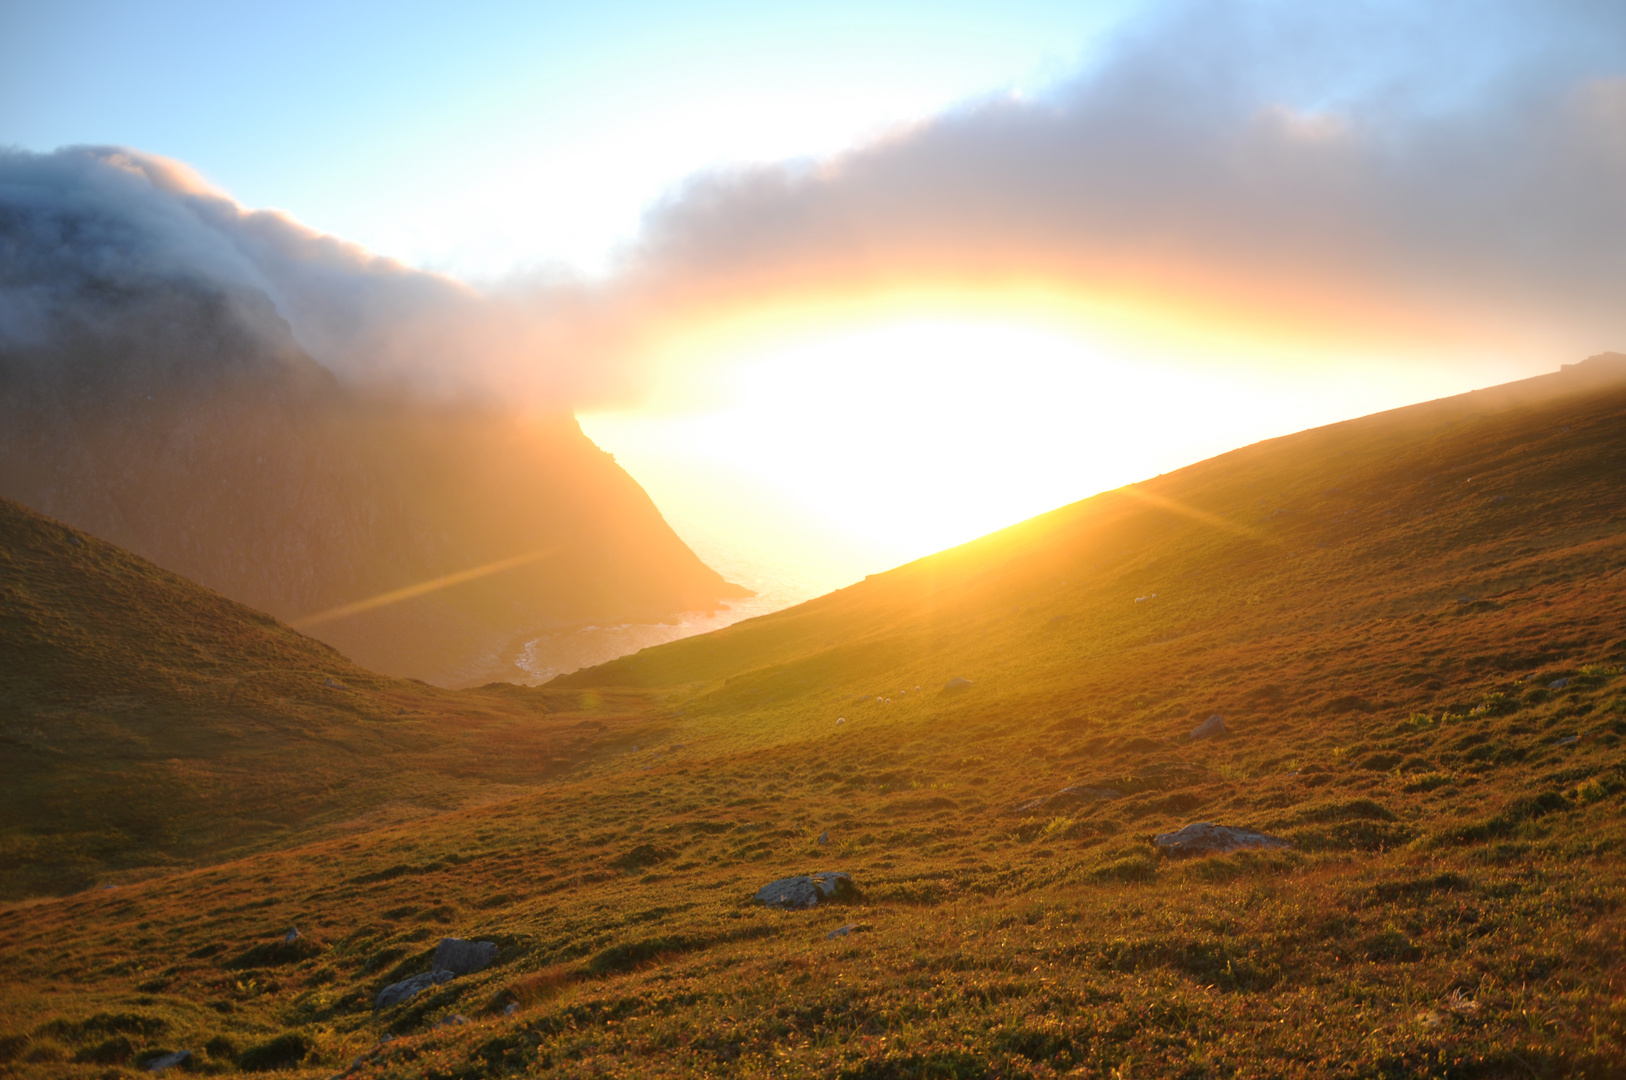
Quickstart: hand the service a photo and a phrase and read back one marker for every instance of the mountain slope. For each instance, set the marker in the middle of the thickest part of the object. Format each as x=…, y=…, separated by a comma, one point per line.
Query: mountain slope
x=148, y=721
x=1414, y=627
x=182, y=421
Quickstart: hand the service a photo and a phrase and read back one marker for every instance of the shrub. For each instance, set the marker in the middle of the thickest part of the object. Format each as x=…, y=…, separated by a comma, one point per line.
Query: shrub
x=279, y=1053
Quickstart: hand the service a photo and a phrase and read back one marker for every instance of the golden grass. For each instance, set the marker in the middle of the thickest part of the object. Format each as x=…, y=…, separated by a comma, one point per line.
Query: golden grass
x=1453, y=904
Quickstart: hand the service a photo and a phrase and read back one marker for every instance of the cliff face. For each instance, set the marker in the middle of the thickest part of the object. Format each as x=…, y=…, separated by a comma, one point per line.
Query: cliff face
x=185, y=423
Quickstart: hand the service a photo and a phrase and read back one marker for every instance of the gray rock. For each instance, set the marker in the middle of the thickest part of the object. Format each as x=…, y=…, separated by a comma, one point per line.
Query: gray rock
x=463, y=957
x=956, y=684
x=1568, y=740
x=1211, y=728
x=179, y=1059
x=1206, y=838
x=799, y=893
x=513, y=1007
x=843, y=931
x=452, y=1020
x=824, y=837
x=407, y=989
x=1558, y=684
x=292, y=935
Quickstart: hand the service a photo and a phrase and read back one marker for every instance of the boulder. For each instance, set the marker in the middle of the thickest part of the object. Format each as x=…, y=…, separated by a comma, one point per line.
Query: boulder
x=407, y=989
x=463, y=957
x=1211, y=728
x=1206, y=838
x=179, y=1059
x=799, y=893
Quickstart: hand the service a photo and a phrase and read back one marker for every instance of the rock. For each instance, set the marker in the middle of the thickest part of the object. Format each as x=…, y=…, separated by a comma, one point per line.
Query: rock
x=336, y=684
x=841, y=719
x=407, y=989
x=292, y=935
x=451, y=1020
x=799, y=893
x=513, y=1007
x=824, y=837
x=956, y=684
x=843, y=931
x=1569, y=740
x=1213, y=727
x=180, y=1059
x=463, y=957
x=1558, y=684
x=1206, y=838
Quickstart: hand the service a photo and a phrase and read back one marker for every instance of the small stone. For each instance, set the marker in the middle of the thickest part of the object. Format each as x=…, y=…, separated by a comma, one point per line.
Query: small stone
x=1211, y=728
x=1558, y=684
x=463, y=957
x=513, y=1007
x=180, y=1058
x=805, y=891
x=292, y=935
x=843, y=931
x=407, y=989
x=824, y=837
x=1206, y=838
x=1569, y=740
x=841, y=719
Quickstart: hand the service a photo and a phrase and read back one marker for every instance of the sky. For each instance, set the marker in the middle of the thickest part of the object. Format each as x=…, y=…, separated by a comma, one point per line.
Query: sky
x=844, y=284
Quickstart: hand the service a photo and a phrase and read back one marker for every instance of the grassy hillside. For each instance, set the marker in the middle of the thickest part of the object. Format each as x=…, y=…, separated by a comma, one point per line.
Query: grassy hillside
x=147, y=721
x=1414, y=625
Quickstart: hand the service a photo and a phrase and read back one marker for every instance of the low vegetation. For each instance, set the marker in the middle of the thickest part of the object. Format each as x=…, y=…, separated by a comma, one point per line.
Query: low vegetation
x=1413, y=625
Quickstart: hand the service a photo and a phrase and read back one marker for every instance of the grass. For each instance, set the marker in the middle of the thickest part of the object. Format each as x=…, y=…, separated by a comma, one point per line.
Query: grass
x=1452, y=905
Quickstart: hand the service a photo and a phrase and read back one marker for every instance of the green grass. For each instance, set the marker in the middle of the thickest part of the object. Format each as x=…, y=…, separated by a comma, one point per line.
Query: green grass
x=1452, y=905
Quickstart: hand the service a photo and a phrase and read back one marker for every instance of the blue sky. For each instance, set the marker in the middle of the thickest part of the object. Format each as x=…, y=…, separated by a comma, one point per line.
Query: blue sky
x=405, y=126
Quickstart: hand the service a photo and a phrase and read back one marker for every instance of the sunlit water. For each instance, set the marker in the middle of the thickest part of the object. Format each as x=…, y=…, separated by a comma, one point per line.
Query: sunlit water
x=782, y=574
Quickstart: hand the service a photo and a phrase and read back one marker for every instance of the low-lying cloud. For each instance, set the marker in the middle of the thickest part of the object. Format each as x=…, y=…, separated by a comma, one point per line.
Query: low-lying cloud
x=1450, y=172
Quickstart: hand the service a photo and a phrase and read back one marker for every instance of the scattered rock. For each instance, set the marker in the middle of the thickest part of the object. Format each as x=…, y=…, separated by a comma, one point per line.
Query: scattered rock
x=1570, y=740
x=843, y=931
x=956, y=684
x=292, y=935
x=179, y=1059
x=1206, y=838
x=513, y=1007
x=451, y=1020
x=463, y=957
x=1211, y=728
x=1558, y=684
x=824, y=837
x=407, y=989
x=841, y=719
x=799, y=893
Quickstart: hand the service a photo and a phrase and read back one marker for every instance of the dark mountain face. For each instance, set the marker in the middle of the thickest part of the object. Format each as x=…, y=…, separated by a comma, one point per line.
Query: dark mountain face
x=183, y=421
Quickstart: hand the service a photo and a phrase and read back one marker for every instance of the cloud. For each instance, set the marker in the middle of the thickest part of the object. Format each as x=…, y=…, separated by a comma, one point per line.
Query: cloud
x=1445, y=171
x=89, y=234
x=1424, y=176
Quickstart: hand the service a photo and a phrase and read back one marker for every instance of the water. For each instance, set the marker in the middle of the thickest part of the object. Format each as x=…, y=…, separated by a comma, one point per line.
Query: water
x=784, y=570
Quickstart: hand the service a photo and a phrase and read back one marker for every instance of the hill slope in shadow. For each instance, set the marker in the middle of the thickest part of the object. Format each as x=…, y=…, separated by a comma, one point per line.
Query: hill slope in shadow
x=147, y=721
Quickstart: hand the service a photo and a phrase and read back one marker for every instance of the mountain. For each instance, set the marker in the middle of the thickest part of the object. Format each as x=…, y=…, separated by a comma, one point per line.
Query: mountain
x=181, y=420
x=1411, y=624
x=147, y=721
